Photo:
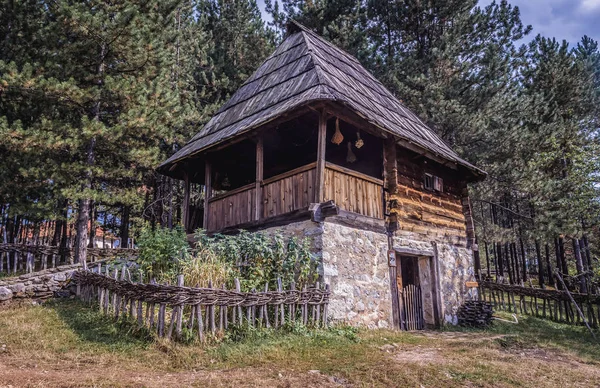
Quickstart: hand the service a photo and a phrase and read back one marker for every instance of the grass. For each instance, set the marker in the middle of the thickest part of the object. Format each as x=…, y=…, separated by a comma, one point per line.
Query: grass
x=65, y=343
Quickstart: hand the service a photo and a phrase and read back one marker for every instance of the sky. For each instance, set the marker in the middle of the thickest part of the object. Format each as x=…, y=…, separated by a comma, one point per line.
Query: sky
x=562, y=19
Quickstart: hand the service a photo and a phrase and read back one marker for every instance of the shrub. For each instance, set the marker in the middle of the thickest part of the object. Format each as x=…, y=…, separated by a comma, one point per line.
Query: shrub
x=262, y=258
x=205, y=266
x=160, y=251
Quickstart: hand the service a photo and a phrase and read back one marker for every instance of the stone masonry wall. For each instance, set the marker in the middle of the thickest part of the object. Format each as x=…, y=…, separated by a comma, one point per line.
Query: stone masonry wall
x=454, y=268
x=354, y=263
x=36, y=285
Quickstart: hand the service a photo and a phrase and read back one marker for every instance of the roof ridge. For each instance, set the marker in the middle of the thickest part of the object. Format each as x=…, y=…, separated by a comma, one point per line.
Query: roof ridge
x=357, y=66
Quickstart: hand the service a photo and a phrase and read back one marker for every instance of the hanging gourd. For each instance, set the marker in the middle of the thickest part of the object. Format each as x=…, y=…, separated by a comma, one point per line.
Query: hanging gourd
x=226, y=184
x=359, y=142
x=350, y=158
x=337, y=138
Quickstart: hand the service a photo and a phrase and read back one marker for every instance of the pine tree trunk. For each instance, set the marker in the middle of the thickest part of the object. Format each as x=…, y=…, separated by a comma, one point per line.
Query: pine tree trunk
x=125, y=227
x=83, y=217
x=92, y=225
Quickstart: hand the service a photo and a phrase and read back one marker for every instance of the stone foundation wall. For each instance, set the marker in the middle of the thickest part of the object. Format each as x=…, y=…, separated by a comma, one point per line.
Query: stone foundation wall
x=453, y=266
x=354, y=263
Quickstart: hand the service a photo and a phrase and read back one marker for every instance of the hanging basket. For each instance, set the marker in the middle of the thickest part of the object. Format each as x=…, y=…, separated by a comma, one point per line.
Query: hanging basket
x=337, y=138
x=359, y=142
x=350, y=158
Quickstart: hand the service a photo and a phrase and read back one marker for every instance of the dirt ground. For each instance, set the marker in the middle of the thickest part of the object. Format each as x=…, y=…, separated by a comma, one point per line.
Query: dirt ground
x=67, y=346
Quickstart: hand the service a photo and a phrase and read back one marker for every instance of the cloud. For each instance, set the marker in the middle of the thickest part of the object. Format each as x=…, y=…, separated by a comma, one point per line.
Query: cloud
x=562, y=19
x=590, y=5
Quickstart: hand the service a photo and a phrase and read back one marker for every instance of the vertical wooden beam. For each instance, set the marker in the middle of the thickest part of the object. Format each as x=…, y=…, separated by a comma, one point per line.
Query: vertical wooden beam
x=186, y=202
x=259, y=178
x=320, y=172
x=471, y=240
x=390, y=166
x=393, y=262
x=207, y=191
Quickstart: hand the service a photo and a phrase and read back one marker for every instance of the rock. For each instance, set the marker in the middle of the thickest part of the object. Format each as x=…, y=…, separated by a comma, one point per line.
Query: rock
x=360, y=307
x=64, y=293
x=5, y=294
x=17, y=288
x=60, y=277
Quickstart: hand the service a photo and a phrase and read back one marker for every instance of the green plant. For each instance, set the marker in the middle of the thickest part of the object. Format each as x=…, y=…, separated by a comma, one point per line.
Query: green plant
x=262, y=258
x=161, y=250
x=205, y=266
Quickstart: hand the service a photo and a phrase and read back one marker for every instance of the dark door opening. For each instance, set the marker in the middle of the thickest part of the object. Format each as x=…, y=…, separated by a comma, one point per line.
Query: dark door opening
x=409, y=286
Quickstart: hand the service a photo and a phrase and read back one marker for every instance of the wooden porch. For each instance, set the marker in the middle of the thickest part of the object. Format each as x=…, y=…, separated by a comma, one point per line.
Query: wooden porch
x=293, y=191
x=290, y=193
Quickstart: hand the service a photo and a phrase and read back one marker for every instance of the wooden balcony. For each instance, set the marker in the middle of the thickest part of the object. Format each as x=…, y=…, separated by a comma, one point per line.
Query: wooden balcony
x=294, y=191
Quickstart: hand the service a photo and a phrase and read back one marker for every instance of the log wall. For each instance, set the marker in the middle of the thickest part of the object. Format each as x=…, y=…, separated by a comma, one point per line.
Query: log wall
x=423, y=211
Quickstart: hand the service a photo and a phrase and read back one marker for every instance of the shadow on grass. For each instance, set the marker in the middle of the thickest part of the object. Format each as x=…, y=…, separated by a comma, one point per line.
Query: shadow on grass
x=91, y=325
x=537, y=332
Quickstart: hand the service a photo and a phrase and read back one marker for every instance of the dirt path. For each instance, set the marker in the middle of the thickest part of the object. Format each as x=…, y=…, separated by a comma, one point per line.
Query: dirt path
x=25, y=374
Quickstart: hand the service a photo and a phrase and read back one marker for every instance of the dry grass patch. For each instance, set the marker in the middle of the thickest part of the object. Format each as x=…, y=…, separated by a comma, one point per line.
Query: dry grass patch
x=65, y=343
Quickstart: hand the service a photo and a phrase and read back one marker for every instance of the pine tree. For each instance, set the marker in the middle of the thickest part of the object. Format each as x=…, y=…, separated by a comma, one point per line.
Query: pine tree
x=106, y=101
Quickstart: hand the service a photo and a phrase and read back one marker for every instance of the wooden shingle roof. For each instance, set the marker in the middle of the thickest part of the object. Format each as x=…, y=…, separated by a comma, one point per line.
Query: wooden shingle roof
x=306, y=68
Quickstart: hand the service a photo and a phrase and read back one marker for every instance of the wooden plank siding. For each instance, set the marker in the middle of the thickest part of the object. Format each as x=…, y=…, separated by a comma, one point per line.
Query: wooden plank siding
x=233, y=208
x=353, y=191
x=288, y=192
x=296, y=190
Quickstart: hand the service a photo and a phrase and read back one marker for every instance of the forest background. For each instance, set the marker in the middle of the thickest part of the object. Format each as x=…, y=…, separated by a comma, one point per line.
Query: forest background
x=95, y=94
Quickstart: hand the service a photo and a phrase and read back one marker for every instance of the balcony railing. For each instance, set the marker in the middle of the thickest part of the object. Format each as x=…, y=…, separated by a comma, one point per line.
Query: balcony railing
x=295, y=190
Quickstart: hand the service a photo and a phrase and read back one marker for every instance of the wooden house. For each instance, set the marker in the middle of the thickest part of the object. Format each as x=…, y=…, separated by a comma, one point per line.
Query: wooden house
x=314, y=145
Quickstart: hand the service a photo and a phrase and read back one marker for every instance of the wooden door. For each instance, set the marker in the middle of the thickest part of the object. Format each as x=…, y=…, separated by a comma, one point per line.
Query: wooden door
x=409, y=287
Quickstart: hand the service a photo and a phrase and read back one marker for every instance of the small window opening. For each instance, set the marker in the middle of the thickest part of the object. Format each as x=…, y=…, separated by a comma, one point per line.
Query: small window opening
x=438, y=184
x=428, y=182
x=433, y=183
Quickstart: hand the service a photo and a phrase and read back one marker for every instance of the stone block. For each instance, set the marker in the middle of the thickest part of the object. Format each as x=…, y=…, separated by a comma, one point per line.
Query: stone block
x=17, y=288
x=5, y=294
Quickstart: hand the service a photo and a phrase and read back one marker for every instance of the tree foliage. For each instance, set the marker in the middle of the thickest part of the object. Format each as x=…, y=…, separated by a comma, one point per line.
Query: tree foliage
x=93, y=95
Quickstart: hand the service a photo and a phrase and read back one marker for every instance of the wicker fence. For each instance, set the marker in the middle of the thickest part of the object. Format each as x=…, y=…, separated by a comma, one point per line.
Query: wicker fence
x=551, y=304
x=18, y=258
x=166, y=308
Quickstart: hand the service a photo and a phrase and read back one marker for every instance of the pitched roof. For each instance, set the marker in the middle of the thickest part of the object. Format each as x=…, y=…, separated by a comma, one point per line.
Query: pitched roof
x=306, y=68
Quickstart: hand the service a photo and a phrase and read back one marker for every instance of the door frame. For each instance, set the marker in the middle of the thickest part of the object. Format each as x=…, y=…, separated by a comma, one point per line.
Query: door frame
x=434, y=281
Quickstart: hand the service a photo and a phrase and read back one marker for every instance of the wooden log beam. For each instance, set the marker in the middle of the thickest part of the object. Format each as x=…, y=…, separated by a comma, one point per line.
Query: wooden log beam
x=207, y=192
x=320, y=173
x=259, y=178
x=186, y=202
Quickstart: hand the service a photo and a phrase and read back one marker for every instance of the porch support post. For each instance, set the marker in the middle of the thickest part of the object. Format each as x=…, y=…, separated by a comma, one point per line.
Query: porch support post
x=320, y=179
x=390, y=184
x=207, y=191
x=259, y=178
x=186, y=202
x=471, y=240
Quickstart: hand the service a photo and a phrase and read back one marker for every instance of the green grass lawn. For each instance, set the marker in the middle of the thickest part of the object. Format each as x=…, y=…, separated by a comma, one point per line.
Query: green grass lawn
x=65, y=343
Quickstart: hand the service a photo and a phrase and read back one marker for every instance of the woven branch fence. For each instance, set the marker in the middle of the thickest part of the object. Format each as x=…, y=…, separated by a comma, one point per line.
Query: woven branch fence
x=544, y=303
x=15, y=258
x=166, y=308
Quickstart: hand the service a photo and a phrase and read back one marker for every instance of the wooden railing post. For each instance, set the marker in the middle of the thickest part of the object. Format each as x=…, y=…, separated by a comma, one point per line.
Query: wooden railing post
x=259, y=179
x=207, y=192
x=321, y=146
x=186, y=202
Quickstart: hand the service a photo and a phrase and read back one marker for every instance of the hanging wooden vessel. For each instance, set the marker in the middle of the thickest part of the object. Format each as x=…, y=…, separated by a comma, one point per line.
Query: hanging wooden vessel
x=350, y=158
x=359, y=142
x=337, y=138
